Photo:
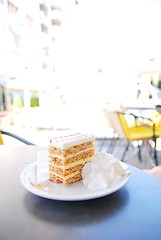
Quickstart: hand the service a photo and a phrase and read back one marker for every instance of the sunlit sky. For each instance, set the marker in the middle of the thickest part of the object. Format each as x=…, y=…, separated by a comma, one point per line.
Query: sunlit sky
x=114, y=36
x=107, y=32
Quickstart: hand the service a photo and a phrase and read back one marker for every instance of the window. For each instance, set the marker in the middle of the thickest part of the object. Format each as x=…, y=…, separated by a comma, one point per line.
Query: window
x=44, y=9
x=29, y=21
x=44, y=28
x=17, y=99
x=15, y=39
x=44, y=65
x=2, y=99
x=45, y=52
x=12, y=8
x=56, y=22
x=34, y=100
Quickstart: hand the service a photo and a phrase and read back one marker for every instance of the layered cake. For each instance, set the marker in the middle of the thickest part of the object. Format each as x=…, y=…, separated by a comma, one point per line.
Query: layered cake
x=67, y=156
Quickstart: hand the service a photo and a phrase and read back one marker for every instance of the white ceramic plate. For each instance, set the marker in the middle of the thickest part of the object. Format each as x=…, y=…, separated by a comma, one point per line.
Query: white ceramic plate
x=72, y=192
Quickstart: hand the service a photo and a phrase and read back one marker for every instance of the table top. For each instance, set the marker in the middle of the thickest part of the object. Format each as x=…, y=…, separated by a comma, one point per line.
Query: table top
x=142, y=108
x=133, y=212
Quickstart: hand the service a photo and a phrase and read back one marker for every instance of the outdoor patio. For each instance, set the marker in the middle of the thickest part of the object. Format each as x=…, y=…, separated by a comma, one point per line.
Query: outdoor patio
x=41, y=137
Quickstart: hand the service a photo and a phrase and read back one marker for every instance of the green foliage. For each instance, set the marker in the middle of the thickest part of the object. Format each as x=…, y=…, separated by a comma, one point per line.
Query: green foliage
x=17, y=101
x=34, y=101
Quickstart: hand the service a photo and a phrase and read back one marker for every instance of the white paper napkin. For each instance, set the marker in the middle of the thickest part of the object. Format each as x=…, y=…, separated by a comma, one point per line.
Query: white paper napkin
x=102, y=172
x=42, y=167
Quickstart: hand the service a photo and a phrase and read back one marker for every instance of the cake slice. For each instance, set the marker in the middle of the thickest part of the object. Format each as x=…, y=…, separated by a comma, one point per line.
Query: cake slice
x=67, y=156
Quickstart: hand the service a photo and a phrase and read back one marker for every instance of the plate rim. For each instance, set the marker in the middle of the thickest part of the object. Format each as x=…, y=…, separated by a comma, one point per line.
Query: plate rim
x=94, y=194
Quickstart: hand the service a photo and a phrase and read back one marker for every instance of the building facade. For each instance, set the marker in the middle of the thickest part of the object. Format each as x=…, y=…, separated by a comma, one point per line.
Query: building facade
x=28, y=33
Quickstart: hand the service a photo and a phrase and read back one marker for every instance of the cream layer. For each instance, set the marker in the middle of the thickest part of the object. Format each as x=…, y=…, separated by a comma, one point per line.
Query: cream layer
x=70, y=155
x=67, y=141
x=70, y=165
x=65, y=177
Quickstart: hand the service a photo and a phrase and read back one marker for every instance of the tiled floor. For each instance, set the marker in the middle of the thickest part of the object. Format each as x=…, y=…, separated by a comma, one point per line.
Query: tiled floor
x=132, y=157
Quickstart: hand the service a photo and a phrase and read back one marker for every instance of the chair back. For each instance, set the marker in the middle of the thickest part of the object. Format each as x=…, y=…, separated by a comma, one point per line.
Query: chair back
x=113, y=120
x=1, y=140
x=13, y=136
x=139, y=131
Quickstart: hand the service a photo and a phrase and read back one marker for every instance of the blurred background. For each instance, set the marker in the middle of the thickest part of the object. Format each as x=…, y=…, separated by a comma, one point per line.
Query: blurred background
x=63, y=61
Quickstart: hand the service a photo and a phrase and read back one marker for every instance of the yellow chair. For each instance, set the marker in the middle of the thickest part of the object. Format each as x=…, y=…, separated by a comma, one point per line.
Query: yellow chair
x=1, y=140
x=134, y=128
x=13, y=136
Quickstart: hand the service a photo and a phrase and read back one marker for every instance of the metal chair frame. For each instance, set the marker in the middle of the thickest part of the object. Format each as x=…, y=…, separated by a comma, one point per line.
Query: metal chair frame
x=16, y=137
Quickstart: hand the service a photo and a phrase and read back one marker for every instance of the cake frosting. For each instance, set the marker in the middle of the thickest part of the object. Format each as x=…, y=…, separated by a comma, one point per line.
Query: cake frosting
x=68, y=141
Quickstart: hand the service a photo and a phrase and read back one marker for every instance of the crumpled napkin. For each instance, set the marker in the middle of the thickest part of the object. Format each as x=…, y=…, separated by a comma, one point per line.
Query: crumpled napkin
x=102, y=172
x=42, y=167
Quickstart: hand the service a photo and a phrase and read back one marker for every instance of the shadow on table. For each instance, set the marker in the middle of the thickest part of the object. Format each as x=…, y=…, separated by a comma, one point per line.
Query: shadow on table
x=78, y=212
